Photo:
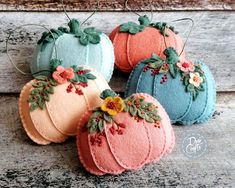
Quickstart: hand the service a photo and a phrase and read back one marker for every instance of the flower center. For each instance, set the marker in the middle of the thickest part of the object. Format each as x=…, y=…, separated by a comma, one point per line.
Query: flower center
x=185, y=65
x=111, y=105
x=195, y=79
x=63, y=74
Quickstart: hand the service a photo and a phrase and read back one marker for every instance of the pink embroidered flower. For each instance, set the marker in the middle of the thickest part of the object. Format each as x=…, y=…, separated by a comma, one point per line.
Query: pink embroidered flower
x=186, y=66
x=62, y=75
x=195, y=79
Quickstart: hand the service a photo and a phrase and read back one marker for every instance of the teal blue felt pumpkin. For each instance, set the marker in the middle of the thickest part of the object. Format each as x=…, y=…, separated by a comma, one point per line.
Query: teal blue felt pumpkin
x=185, y=90
x=75, y=46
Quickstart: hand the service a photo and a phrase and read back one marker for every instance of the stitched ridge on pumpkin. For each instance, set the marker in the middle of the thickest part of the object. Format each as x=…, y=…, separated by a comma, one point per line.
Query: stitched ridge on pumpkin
x=153, y=160
x=187, y=109
x=203, y=111
x=80, y=150
x=123, y=68
x=120, y=162
x=129, y=80
x=128, y=51
x=93, y=154
x=42, y=140
x=202, y=114
x=102, y=57
x=113, y=58
x=165, y=150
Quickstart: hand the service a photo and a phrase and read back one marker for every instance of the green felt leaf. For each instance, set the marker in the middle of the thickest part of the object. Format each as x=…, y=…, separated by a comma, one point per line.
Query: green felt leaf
x=89, y=30
x=94, y=39
x=63, y=29
x=90, y=76
x=171, y=55
x=74, y=26
x=82, y=78
x=144, y=20
x=33, y=107
x=133, y=110
x=54, y=63
x=101, y=125
x=131, y=27
x=186, y=80
x=108, y=118
x=141, y=114
x=172, y=70
x=107, y=93
x=41, y=78
x=190, y=88
x=50, y=90
x=75, y=78
x=84, y=40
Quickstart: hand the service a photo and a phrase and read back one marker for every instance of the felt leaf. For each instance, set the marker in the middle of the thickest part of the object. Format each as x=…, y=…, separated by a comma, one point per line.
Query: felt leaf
x=171, y=55
x=82, y=78
x=84, y=40
x=141, y=114
x=89, y=30
x=108, y=118
x=41, y=78
x=54, y=63
x=74, y=26
x=172, y=70
x=190, y=88
x=131, y=27
x=133, y=110
x=63, y=29
x=107, y=93
x=101, y=126
x=79, y=33
x=144, y=20
x=33, y=106
x=94, y=39
x=90, y=76
x=50, y=90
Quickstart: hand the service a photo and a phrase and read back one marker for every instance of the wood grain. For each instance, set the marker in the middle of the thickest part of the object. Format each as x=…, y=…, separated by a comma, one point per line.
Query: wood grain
x=212, y=40
x=24, y=164
x=117, y=5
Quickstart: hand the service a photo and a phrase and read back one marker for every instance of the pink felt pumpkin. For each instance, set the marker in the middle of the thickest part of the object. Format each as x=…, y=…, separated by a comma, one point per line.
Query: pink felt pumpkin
x=124, y=134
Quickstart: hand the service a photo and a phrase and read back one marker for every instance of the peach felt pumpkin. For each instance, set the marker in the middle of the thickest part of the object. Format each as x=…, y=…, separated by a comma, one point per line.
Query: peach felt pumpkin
x=133, y=43
x=50, y=107
x=124, y=134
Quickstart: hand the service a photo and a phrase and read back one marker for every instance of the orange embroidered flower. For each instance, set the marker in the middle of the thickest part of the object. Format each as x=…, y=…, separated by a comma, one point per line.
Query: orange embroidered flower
x=113, y=105
x=62, y=75
x=195, y=79
x=186, y=66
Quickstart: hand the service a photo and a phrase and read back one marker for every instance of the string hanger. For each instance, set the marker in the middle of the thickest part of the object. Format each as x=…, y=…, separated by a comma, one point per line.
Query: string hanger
x=190, y=31
x=129, y=9
x=92, y=14
x=9, y=56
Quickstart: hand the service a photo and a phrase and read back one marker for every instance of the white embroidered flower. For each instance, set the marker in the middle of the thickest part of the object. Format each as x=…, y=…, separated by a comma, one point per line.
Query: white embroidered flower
x=195, y=79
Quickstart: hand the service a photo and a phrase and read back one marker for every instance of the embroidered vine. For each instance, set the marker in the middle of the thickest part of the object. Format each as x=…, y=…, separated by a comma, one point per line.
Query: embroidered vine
x=133, y=28
x=191, y=74
x=87, y=36
x=44, y=86
x=113, y=104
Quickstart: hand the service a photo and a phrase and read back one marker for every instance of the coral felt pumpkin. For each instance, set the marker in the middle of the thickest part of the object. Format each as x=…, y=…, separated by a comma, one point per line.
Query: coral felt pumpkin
x=126, y=141
x=185, y=90
x=50, y=110
x=132, y=46
x=75, y=47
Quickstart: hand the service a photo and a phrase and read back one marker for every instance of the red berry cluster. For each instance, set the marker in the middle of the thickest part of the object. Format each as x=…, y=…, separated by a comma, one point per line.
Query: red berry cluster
x=77, y=88
x=164, y=79
x=118, y=130
x=81, y=72
x=97, y=139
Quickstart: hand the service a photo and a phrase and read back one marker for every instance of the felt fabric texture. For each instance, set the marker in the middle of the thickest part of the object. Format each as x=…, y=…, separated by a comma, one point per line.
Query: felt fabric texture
x=60, y=117
x=130, y=49
x=71, y=52
x=26, y=119
x=140, y=143
x=178, y=103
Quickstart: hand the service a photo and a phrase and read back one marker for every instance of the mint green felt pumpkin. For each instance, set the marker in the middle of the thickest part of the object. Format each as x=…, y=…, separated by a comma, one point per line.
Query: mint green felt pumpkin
x=75, y=46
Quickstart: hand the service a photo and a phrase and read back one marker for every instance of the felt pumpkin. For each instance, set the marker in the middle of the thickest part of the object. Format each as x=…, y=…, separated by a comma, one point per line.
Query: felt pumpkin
x=75, y=46
x=124, y=134
x=50, y=107
x=133, y=43
x=185, y=89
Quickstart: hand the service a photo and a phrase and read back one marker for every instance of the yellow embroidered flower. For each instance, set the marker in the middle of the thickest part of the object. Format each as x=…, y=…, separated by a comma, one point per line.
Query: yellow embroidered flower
x=195, y=79
x=113, y=105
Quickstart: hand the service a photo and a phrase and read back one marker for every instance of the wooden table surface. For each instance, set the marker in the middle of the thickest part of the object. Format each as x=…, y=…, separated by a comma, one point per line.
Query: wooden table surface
x=24, y=164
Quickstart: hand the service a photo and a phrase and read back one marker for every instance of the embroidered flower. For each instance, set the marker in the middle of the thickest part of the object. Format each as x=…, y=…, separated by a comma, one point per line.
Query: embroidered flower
x=62, y=75
x=195, y=79
x=113, y=105
x=186, y=66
